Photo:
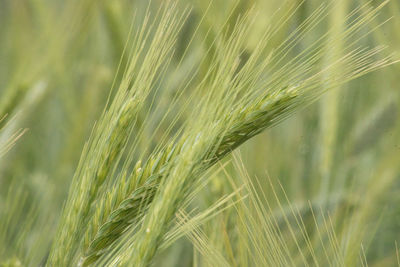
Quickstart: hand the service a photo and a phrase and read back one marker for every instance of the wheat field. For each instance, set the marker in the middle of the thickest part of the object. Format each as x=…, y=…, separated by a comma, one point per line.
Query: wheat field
x=199, y=133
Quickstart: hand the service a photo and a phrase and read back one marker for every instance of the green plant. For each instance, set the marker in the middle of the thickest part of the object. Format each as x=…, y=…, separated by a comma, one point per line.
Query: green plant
x=176, y=115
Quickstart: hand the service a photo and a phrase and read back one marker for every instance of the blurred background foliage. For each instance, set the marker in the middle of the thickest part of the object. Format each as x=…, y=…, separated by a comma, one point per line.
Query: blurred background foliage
x=341, y=155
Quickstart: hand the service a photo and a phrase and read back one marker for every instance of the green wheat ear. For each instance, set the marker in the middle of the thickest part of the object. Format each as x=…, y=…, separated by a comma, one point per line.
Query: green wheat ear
x=238, y=123
x=156, y=178
x=236, y=100
x=135, y=206
x=110, y=136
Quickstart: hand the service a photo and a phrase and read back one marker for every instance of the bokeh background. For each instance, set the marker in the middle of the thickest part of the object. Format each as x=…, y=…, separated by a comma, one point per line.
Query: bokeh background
x=340, y=155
